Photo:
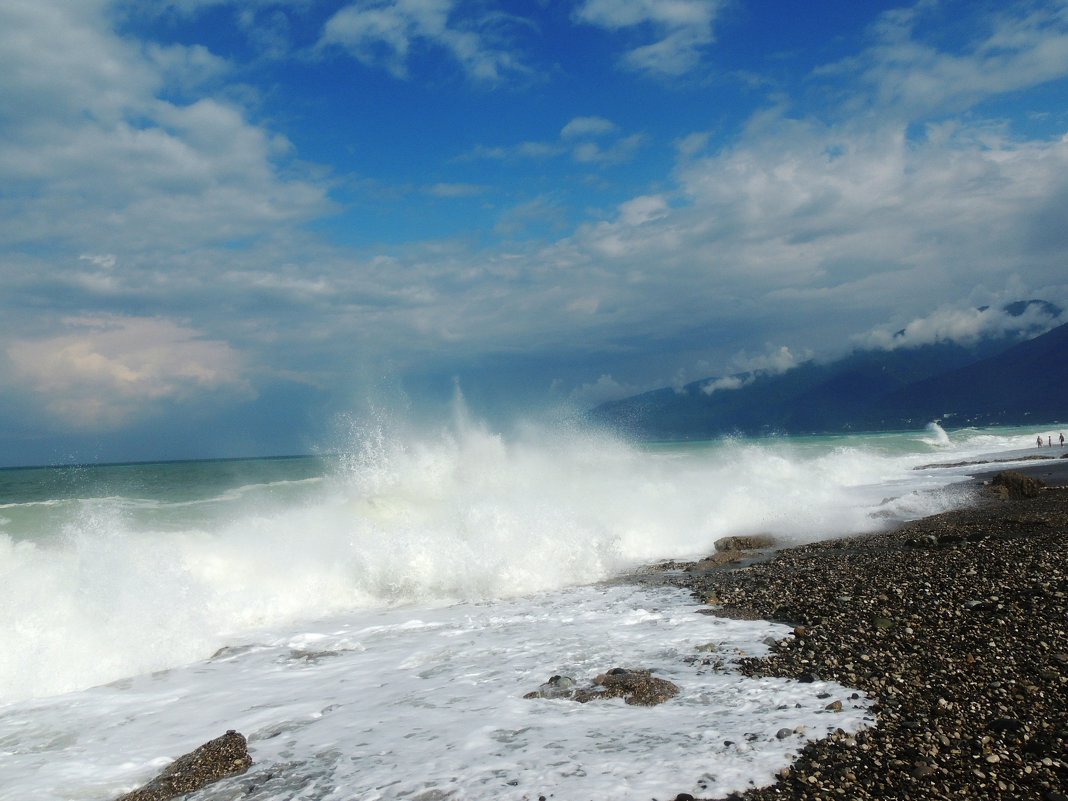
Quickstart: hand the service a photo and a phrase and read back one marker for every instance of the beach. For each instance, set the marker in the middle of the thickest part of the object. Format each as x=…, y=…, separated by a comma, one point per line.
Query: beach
x=955, y=625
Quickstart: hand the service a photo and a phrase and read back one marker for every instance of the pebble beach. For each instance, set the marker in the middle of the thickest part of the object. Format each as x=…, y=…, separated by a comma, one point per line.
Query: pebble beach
x=956, y=625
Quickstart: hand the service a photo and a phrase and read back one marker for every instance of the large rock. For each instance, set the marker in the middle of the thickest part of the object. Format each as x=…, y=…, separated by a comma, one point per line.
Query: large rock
x=633, y=686
x=1015, y=485
x=752, y=542
x=217, y=759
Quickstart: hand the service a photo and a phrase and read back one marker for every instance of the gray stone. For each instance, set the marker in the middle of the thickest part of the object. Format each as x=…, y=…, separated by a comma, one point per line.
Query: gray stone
x=217, y=759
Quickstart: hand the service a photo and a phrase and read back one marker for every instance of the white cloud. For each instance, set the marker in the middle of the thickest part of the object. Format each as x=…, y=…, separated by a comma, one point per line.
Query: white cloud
x=186, y=67
x=94, y=158
x=681, y=30
x=618, y=152
x=727, y=383
x=587, y=140
x=1020, y=46
x=605, y=388
x=452, y=190
x=775, y=361
x=641, y=210
x=384, y=33
x=964, y=326
x=110, y=371
x=587, y=126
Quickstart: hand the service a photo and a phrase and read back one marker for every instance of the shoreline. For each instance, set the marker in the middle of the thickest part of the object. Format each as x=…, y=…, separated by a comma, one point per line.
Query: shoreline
x=955, y=625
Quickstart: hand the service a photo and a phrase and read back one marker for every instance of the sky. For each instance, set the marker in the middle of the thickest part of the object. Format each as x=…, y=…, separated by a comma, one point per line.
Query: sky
x=238, y=228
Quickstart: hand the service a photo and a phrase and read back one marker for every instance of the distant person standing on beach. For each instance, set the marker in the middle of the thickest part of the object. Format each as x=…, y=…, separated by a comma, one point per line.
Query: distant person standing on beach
x=1040, y=440
x=1062, y=439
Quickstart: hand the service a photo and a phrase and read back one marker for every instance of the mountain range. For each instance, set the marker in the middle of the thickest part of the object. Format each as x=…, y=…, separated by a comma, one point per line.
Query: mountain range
x=996, y=381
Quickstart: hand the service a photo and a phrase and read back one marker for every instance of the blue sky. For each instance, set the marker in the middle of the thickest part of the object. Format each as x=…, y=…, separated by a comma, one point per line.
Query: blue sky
x=229, y=227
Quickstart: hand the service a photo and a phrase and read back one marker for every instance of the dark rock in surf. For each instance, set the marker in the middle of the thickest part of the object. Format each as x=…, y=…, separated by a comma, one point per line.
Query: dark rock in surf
x=555, y=687
x=752, y=542
x=636, y=687
x=1015, y=486
x=215, y=760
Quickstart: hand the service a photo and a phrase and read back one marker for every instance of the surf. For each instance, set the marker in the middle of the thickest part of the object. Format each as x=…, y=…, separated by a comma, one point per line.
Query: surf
x=110, y=585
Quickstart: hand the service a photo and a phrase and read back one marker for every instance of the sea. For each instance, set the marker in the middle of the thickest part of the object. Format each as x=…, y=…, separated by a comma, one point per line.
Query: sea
x=371, y=618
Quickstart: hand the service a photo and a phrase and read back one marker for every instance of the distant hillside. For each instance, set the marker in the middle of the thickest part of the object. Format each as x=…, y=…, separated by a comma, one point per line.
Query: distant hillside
x=1000, y=381
x=1027, y=382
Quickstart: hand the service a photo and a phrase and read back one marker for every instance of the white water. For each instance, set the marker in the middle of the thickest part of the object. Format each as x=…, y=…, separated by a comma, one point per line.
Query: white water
x=435, y=571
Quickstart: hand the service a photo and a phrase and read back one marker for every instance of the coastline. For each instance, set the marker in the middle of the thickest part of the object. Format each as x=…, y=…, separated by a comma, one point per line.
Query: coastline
x=956, y=626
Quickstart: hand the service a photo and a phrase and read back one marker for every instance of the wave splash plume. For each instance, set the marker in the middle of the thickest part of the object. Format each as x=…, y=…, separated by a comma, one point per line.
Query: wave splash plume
x=112, y=584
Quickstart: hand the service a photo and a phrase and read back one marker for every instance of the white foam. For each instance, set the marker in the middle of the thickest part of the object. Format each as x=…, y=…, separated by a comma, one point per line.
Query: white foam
x=428, y=703
x=461, y=514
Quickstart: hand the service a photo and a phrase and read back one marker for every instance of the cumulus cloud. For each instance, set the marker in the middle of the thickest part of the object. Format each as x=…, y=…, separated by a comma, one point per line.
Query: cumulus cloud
x=680, y=30
x=93, y=156
x=384, y=33
x=110, y=371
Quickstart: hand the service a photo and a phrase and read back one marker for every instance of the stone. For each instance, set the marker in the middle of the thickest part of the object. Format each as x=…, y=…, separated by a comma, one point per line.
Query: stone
x=636, y=687
x=921, y=770
x=215, y=760
x=745, y=543
x=1016, y=486
x=555, y=687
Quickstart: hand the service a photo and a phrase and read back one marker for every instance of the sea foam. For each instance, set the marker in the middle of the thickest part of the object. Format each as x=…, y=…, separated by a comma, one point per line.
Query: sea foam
x=116, y=585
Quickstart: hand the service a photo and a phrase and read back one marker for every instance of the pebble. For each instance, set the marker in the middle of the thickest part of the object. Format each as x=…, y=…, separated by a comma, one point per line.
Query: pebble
x=960, y=642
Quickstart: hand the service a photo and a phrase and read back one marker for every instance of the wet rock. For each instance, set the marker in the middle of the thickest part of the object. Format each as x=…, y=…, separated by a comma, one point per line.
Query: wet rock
x=555, y=687
x=636, y=687
x=752, y=542
x=1011, y=484
x=217, y=759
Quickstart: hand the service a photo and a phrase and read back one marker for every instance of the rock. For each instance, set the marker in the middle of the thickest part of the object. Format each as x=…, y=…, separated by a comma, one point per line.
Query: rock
x=637, y=687
x=1006, y=724
x=555, y=687
x=782, y=734
x=718, y=559
x=217, y=759
x=1015, y=485
x=921, y=770
x=745, y=543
